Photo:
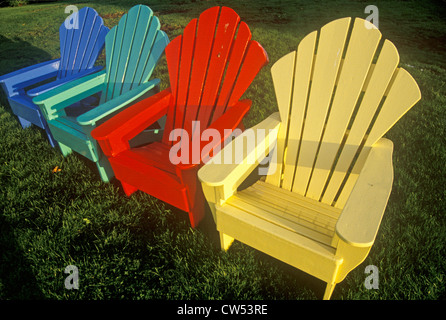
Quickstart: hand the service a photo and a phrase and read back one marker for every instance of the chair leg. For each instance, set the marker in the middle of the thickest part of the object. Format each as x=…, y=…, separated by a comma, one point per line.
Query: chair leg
x=197, y=213
x=66, y=150
x=51, y=139
x=329, y=290
x=225, y=241
x=195, y=197
x=24, y=123
x=105, y=170
x=128, y=188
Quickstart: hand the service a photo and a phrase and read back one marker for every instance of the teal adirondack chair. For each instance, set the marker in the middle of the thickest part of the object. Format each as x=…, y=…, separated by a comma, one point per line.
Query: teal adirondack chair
x=132, y=49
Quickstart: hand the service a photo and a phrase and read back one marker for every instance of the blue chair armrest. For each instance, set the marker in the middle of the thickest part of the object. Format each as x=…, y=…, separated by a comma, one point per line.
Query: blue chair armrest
x=49, y=86
x=19, y=79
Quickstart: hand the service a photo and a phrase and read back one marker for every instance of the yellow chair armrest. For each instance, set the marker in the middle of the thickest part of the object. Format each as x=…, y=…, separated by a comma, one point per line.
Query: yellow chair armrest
x=221, y=179
x=361, y=217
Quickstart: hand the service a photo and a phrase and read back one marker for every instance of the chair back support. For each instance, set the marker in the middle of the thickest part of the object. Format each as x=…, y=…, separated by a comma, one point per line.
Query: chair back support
x=338, y=94
x=210, y=66
x=82, y=37
x=132, y=49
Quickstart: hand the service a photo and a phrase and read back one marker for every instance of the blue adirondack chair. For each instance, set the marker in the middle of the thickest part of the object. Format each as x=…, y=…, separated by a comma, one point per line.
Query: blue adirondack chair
x=132, y=50
x=81, y=42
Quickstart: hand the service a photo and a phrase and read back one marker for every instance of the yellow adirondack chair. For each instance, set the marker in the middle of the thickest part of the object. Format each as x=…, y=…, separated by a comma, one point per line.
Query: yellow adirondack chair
x=321, y=204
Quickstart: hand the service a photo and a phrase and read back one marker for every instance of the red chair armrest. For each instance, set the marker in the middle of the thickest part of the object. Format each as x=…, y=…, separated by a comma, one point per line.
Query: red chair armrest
x=114, y=135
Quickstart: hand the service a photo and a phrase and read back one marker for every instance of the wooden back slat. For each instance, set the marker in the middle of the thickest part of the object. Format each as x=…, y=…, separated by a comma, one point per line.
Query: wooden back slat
x=75, y=41
x=210, y=67
x=328, y=105
x=235, y=60
x=225, y=32
x=81, y=43
x=114, y=42
x=132, y=49
x=361, y=49
x=207, y=24
x=302, y=76
x=255, y=58
x=380, y=78
x=329, y=53
x=185, y=70
x=400, y=97
x=93, y=47
x=80, y=40
x=173, y=53
x=283, y=74
x=66, y=38
x=150, y=46
x=133, y=35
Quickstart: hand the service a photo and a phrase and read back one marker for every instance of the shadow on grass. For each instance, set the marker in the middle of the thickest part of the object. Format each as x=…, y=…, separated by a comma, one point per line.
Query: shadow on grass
x=17, y=280
x=16, y=54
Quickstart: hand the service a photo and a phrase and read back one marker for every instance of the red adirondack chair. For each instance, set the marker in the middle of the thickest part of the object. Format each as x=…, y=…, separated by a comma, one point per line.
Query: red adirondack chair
x=210, y=67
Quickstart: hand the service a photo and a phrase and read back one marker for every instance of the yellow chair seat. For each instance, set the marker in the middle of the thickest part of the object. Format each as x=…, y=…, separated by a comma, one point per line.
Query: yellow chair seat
x=289, y=227
x=288, y=210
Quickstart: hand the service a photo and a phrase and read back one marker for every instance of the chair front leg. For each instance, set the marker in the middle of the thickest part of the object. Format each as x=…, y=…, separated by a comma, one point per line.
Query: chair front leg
x=66, y=150
x=195, y=196
x=24, y=123
x=105, y=170
x=225, y=241
x=128, y=188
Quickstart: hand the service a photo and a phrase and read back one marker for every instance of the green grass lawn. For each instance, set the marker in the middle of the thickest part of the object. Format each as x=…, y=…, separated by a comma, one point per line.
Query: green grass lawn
x=141, y=248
